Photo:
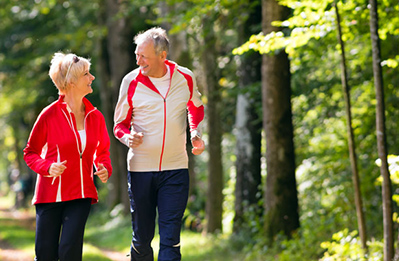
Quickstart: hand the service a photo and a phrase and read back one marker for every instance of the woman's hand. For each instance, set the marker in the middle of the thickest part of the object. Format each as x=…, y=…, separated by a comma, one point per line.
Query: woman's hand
x=102, y=173
x=57, y=168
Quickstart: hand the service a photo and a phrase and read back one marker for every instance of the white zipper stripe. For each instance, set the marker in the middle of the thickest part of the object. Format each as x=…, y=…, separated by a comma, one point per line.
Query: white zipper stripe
x=70, y=122
x=58, y=198
x=81, y=177
x=73, y=129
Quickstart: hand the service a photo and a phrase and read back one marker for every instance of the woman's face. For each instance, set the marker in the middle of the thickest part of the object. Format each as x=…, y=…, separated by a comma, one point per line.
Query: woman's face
x=83, y=84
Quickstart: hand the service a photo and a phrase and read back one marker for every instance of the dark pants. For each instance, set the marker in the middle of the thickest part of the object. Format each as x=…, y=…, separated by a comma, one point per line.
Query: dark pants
x=167, y=191
x=60, y=228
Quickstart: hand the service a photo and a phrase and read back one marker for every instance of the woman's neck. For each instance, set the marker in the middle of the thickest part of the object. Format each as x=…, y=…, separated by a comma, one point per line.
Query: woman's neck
x=75, y=103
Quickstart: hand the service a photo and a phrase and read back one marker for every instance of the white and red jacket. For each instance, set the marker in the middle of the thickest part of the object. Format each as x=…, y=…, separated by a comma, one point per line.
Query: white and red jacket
x=162, y=120
x=55, y=138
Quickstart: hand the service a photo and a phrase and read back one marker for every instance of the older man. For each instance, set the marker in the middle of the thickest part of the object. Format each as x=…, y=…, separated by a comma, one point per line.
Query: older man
x=150, y=118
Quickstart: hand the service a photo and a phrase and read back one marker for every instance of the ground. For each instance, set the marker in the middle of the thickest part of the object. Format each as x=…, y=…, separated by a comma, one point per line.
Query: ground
x=26, y=219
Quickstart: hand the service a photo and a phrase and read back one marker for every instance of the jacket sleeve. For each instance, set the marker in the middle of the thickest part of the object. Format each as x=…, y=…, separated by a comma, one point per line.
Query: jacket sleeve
x=195, y=110
x=102, y=152
x=36, y=147
x=123, y=114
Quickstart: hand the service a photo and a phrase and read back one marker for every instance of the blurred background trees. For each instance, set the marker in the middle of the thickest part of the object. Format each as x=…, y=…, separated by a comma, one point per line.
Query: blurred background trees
x=277, y=157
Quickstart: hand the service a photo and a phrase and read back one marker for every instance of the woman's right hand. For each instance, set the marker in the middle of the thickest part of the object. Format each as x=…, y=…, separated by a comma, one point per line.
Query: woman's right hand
x=57, y=168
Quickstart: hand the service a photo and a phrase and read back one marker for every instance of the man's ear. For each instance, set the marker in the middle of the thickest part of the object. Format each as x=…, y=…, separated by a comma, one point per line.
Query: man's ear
x=164, y=54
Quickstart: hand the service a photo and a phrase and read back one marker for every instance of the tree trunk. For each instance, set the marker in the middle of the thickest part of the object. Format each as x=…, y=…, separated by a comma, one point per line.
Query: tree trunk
x=214, y=207
x=115, y=61
x=381, y=134
x=351, y=140
x=281, y=199
x=248, y=131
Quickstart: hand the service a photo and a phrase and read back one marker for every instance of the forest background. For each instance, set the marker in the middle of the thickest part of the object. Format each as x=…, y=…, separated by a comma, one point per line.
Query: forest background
x=280, y=176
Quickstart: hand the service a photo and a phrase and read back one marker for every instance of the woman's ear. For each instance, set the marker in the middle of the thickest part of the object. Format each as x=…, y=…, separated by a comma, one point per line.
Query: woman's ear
x=72, y=84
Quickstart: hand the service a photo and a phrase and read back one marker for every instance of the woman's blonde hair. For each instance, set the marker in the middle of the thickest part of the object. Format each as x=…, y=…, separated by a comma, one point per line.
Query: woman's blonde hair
x=66, y=68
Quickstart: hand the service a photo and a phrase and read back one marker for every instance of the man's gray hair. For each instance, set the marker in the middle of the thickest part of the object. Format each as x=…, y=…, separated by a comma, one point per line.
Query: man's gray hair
x=157, y=35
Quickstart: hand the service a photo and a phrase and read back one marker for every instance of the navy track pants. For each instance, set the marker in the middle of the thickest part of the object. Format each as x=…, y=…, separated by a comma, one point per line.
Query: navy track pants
x=60, y=228
x=167, y=192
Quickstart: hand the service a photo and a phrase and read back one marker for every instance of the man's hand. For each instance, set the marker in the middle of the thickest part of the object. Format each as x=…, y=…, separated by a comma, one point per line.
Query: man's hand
x=135, y=139
x=102, y=173
x=198, y=145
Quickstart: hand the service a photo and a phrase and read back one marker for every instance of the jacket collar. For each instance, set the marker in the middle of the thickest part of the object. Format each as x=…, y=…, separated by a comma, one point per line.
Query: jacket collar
x=146, y=80
x=88, y=106
x=172, y=66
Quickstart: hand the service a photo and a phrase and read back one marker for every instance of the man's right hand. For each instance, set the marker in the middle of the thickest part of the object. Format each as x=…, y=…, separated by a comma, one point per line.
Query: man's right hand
x=135, y=139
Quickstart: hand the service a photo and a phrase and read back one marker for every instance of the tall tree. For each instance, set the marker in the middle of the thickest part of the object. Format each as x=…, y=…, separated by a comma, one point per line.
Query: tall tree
x=248, y=125
x=381, y=133
x=214, y=204
x=115, y=60
x=281, y=199
x=351, y=140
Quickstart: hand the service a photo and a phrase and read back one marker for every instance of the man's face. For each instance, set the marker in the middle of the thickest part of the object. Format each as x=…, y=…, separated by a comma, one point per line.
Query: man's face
x=151, y=64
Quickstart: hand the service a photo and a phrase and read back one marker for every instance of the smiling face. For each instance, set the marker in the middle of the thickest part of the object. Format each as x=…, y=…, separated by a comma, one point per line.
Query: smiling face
x=83, y=84
x=151, y=64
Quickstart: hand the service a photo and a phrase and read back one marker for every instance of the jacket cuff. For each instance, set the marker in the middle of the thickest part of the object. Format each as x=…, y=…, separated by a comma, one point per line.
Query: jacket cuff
x=195, y=133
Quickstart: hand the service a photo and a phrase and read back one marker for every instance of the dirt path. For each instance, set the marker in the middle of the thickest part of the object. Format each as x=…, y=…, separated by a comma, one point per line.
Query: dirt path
x=27, y=220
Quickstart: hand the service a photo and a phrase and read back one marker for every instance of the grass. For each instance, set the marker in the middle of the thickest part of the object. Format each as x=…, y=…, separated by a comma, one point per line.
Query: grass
x=92, y=253
x=16, y=235
x=13, y=232
x=104, y=232
x=115, y=234
x=21, y=237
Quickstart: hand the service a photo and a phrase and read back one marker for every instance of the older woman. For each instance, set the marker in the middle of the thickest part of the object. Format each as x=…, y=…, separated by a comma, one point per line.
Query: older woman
x=68, y=138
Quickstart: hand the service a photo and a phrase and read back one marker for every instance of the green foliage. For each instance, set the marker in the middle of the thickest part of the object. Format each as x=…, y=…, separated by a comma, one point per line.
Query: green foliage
x=310, y=20
x=346, y=246
x=31, y=31
x=324, y=178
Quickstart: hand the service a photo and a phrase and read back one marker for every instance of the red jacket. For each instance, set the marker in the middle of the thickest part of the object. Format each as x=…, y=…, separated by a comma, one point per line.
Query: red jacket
x=54, y=138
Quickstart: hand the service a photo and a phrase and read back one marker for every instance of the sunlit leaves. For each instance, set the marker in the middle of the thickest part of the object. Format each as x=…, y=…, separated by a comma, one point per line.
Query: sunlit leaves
x=262, y=44
x=346, y=246
x=311, y=19
x=393, y=162
x=392, y=63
